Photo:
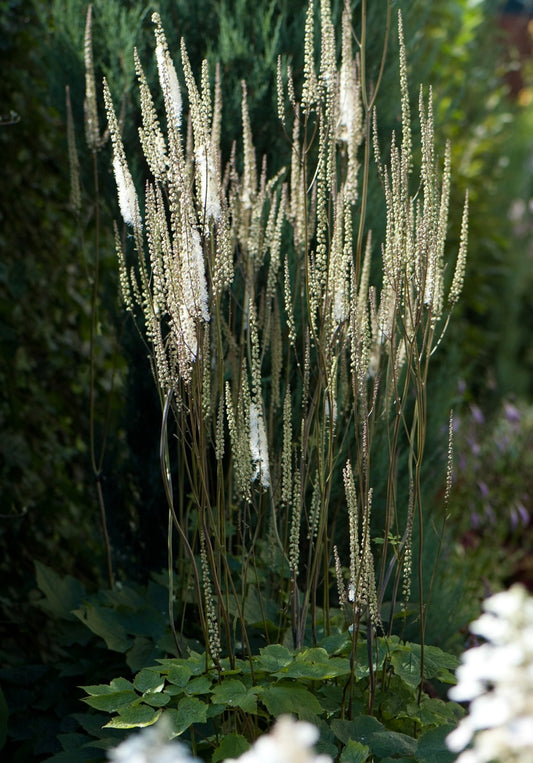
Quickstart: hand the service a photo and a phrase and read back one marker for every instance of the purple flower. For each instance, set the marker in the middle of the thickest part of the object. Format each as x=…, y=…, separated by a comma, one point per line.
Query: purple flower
x=522, y=512
x=477, y=414
x=483, y=489
x=512, y=414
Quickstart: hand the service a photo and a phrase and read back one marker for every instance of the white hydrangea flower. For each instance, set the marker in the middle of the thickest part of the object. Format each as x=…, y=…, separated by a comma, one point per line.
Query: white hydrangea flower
x=289, y=741
x=151, y=745
x=497, y=679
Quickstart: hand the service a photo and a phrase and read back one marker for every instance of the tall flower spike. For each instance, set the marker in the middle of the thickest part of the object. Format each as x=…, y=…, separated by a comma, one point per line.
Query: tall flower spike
x=298, y=199
x=310, y=84
x=259, y=446
x=296, y=516
x=406, y=111
x=286, y=456
x=92, y=128
x=150, y=134
x=328, y=68
x=127, y=195
x=208, y=183
x=168, y=78
x=198, y=113
x=280, y=94
x=337, y=268
x=217, y=110
x=212, y=620
x=350, y=121
x=449, y=466
x=408, y=547
x=343, y=599
x=125, y=287
x=353, y=524
x=368, y=593
x=459, y=275
x=249, y=181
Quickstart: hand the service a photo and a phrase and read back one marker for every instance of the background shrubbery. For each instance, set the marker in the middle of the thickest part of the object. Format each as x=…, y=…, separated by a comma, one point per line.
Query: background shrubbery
x=50, y=509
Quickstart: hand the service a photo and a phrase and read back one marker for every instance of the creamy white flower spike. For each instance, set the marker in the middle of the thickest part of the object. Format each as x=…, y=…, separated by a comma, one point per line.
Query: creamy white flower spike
x=167, y=75
x=127, y=195
x=497, y=679
x=259, y=447
x=208, y=183
x=193, y=276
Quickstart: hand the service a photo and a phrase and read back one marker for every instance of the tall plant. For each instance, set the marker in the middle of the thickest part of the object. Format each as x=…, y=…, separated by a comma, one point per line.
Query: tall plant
x=286, y=345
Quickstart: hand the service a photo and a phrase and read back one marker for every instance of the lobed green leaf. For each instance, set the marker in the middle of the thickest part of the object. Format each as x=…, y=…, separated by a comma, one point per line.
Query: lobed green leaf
x=134, y=717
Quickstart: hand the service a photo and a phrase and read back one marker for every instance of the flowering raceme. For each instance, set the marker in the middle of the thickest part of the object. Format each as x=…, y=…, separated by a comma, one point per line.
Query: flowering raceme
x=497, y=679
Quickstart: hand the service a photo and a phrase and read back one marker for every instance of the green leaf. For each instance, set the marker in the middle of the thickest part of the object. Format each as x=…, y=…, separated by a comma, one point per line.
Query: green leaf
x=105, y=623
x=273, y=657
x=160, y=699
x=173, y=691
x=406, y=660
x=148, y=680
x=437, y=663
x=117, y=684
x=392, y=743
x=190, y=710
x=110, y=697
x=259, y=610
x=178, y=674
x=380, y=652
x=62, y=594
x=196, y=663
x=143, y=652
x=231, y=747
x=431, y=747
x=360, y=729
x=112, y=702
x=234, y=693
x=200, y=685
x=336, y=643
x=290, y=698
x=315, y=664
x=430, y=712
x=133, y=717
x=354, y=752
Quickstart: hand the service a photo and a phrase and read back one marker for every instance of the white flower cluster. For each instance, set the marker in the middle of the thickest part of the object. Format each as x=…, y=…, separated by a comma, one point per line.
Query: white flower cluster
x=289, y=741
x=259, y=446
x=151, y=746
x=497, y=679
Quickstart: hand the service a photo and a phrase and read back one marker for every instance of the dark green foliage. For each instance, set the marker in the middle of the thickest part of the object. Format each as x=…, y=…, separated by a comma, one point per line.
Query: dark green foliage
x=492, y=496
x=244, y=699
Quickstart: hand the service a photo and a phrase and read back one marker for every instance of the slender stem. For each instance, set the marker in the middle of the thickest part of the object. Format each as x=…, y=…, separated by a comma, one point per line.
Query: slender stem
x=96, y=464
x=164, y=461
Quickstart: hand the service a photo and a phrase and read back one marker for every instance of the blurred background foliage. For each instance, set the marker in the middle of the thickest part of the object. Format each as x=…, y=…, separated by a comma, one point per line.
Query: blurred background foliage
x=49, y=510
